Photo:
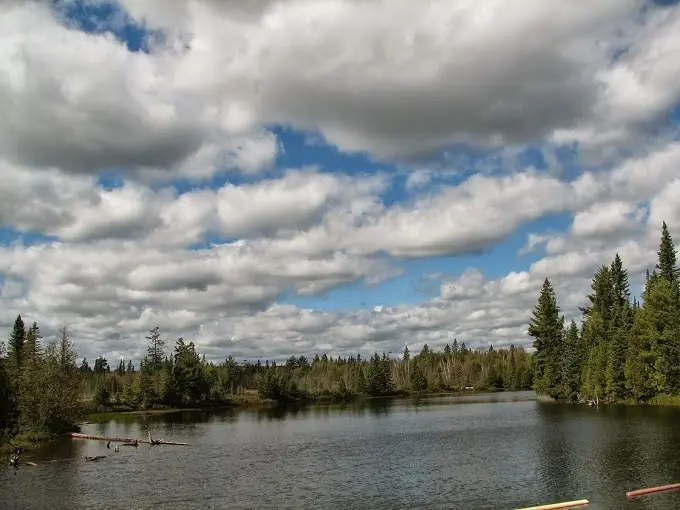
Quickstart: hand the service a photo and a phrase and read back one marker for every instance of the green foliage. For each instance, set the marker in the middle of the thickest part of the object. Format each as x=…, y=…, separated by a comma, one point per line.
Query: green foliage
x=627, y=350
x=187, y=381
x=15, y=347
x=571, y=363
x=48, y=387
x=102, y=394
x=155, y=352
x=8, y=410
x=52, y=390
x=418, y=379
x=101, y=365
x=547, y=329
x=667, y=263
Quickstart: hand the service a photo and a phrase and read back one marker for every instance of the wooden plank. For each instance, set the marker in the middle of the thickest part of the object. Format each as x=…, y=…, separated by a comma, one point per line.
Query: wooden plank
x=556, y=506
x=116, y=439
x=652, y=490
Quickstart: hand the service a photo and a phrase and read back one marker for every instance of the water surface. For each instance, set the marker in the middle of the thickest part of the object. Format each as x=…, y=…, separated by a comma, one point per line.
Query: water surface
x=491, y=451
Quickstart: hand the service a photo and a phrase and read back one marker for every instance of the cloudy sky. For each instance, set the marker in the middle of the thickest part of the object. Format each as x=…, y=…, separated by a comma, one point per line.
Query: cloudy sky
x=274, y=178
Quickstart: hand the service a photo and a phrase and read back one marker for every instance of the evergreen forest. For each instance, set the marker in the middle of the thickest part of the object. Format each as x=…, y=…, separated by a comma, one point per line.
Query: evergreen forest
x=46, y=389
x=623, y=350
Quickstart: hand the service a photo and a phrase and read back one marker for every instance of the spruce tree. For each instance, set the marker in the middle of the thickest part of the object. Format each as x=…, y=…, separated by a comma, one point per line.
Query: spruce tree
x=30, y=390
x=417, y=379
x=620, y=283
x=510, y=379
x=621, y=322
x=642, y=379
x=615, y=379
x=596, y=333
x=155, y=353
x=546, y=327
x=571, y=364
x=85, y=366
x=667, y=257
x=15, y=346
x=8, y=410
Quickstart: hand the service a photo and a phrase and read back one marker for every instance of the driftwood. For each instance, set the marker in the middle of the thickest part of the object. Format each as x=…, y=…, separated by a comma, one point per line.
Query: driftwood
x=652, y=490
x=556, y=506
x=124, y=440
x=95, y=457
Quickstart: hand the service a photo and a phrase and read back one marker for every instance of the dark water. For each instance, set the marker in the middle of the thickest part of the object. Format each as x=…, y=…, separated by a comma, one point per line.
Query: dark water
x=494, y=451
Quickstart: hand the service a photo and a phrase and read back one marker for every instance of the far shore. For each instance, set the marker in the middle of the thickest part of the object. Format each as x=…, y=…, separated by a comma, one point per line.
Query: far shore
x=247, y=399
x=252, y=399
x=657, y=401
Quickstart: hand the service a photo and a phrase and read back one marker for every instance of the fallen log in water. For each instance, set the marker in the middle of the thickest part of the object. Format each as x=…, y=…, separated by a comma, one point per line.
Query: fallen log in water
x=556, y=506
x=114, y=439
x=652, y=490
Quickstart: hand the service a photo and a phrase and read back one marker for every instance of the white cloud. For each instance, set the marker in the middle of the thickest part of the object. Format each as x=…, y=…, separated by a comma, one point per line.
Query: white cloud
x=460, y=71
x=493, y=74
x=81, y=103
x=605, y=218
x=225, y=296
x=639, y=89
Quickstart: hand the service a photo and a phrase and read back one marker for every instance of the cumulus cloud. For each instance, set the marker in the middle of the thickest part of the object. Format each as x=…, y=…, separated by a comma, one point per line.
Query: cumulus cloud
x=183, y=245
x=226, y=296
x=416, y=77
x=82, y=103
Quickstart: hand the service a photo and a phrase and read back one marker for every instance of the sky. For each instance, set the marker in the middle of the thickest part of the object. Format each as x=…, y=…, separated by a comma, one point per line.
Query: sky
x=269, y=179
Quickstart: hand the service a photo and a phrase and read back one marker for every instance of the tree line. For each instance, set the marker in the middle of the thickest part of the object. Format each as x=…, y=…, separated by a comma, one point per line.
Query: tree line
x=45, y=391
x=40, y=388
x=623, y=350
x=183, y=378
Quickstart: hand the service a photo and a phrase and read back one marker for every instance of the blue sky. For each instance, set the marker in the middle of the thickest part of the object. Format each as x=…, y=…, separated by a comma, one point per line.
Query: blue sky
x=301, y=149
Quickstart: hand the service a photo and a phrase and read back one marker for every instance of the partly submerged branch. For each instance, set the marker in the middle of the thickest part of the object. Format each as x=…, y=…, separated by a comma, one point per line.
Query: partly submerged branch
x=124, y=440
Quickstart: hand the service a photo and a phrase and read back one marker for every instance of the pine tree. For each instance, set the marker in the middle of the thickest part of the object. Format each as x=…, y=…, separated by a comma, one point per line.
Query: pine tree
x=15, y=346
x=667, y=257
x=407, y=361
x=640, y=361
x=620, y=283
x=571, y=364
x=596, y=335
x=417, y=379
x=60, y=406
x=155, y=353
x=154, y=361
x=8, y=410
x=32, y=343
x=30, y=390
x=615, y=378
x=546, y=327
x=621, y=322
x=664, y=306
x=85, y=366
x=510, y=379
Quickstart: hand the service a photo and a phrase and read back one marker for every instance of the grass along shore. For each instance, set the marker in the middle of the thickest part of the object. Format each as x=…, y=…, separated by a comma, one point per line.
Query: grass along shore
x=252, y=398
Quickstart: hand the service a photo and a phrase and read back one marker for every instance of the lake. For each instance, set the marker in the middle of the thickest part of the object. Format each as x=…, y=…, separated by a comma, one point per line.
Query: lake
x=483, y=451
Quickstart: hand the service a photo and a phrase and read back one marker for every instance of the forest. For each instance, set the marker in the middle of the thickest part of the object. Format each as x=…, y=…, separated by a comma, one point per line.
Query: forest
x=45, y=390
x=623, y=350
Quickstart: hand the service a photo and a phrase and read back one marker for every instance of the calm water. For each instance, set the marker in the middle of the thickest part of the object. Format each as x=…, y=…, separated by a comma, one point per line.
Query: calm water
x=495, y=451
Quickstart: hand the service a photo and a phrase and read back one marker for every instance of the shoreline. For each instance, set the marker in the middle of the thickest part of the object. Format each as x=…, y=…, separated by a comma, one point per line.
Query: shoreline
x=246, y=400
x=252, y=400
x=656, y=401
